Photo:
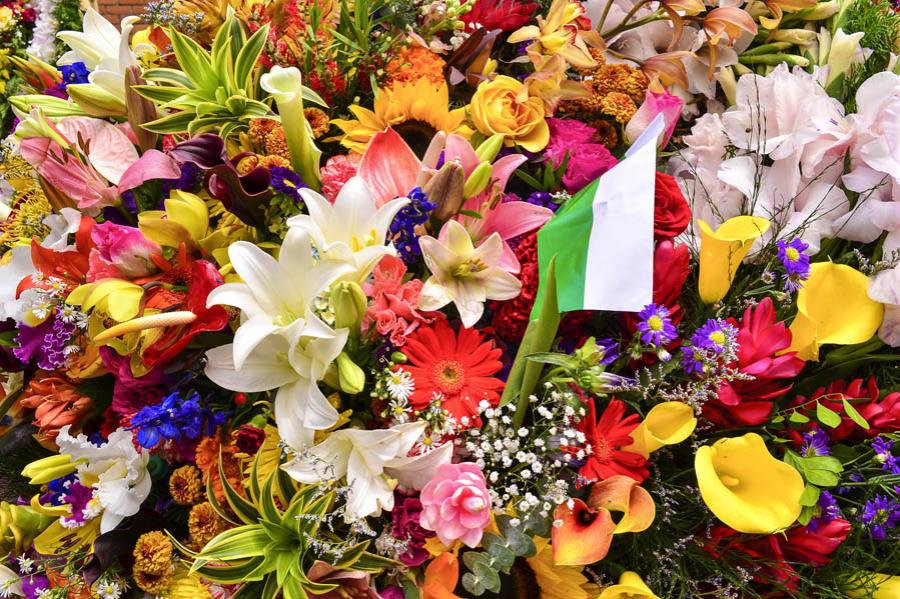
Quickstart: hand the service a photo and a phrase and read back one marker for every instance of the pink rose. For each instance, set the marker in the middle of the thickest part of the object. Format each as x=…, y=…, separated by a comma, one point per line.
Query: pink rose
x=655, y=103
x=393, y=309
x=456, y=504
x=586, y=163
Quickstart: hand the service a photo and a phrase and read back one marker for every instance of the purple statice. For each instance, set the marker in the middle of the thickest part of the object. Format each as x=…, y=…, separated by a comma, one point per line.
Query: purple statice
x=795, y=263
x=189, y=180
x=287, y=182
x=880, y=515
x=656, y=326
x=403, y=228
x=883, y=448
x=815, y=444
x=826, y=510
x=174, y=419
x=543, y=199
x=715, y=336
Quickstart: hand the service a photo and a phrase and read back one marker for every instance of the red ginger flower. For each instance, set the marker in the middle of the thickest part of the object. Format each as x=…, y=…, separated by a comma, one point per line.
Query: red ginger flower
x=604, y=440
x=760, y=339
x=506, y=15
x=456, y=367
x=883, y=416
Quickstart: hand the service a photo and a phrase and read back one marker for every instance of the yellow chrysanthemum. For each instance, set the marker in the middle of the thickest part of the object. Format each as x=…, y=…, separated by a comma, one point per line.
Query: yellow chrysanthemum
x=558, y=582
x=204, y=524
x=26, y=219
x=416, y=111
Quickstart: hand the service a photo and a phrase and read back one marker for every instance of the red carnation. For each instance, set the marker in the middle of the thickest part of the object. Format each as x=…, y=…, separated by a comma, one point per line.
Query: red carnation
x=761, y=339
x=505, y=15
x=672, y=213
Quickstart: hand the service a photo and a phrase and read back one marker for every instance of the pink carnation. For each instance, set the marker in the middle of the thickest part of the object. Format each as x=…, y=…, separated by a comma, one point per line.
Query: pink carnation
x=565, y=134
x=337, y=171
x=456, y=504
x=393, y=310
x=587, y=159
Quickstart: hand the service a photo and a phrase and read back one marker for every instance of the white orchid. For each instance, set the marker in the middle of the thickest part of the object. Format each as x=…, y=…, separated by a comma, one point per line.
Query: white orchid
x=115, y=471
x=10, y=583
x=464, y=274
x=368, y=459
x=352, y=230
x=17, y=268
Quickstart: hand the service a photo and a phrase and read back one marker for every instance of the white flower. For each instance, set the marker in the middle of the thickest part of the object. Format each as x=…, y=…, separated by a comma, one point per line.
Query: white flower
x=366, y=458
x=10, y=584
x=61, y=226
x=401, y=385
x=115, y=470
x=885, y=288
x=464, y=274
x=109, y=590
x=352, y=230
x=17, y=268
x=43, y=40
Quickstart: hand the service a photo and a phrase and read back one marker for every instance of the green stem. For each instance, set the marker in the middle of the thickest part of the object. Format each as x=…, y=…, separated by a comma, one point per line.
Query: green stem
x=304, y=155
x=628, y=26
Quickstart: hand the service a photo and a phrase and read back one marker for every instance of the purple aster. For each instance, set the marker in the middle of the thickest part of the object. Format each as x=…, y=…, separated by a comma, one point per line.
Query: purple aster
x=610, y=350
x=880, y=515
x=656, y=326
x=884, y=454
x=287, y=182
x=815, y=444
x=826, y=510
x=689, y=360
x=795, y=263
x=190, y=179
x=715, y=336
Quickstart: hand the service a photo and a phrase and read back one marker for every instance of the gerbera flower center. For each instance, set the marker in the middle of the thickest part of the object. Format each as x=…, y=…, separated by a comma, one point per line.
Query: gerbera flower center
x=448, y=376
x=655, y=323
x=469, y=268
x=601, y=449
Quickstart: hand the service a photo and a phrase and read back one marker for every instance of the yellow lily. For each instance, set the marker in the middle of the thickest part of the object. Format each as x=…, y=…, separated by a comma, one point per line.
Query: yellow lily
x=722, y=250
x=745, y=487
x=556, y=34
x=667, y=423
x=118, y=299
x=185, y=220
x=630, y=586
x=833, y=307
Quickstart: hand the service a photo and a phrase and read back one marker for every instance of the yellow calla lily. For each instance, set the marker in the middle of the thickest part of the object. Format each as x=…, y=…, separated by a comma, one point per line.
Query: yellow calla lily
x=833, y=306
x=120, y=300
x=886, y=586
x=722, y=250
x=185, y=220
x=667, y=423
x=630, y=586
x=745, y=487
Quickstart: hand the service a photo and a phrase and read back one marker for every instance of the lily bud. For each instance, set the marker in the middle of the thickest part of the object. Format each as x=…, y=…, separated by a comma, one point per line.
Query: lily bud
x=445, y=189
x=728, y=82
x=350, y=304
x=351, y=377
x=140, y=109
x=478, y=180
x=844, y=52
x=489, y=148
x=95, y=100
x=821, y=11
x=50, y=468
x=801, y=37
x=38, y=125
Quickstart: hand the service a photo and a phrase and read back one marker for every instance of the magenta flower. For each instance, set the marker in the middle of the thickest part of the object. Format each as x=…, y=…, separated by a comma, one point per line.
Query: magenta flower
x=456, y=504
x=670, y=106
x=125, y=249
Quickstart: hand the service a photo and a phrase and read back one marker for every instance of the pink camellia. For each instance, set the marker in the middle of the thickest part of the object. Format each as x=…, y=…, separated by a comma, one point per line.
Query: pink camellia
x=456, y=504
x=655, y=103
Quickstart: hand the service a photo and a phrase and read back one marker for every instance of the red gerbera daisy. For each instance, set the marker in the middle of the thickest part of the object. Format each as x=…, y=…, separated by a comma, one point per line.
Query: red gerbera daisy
x=604, y=440
x=457, y=368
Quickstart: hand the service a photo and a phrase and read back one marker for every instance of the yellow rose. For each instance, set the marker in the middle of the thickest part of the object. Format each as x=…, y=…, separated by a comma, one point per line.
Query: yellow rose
x=504, y=106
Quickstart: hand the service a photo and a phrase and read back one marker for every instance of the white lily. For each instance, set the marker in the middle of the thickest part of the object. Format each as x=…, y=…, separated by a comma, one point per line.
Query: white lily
x=277, y=295
x=293, y=366
x=17, y=268
x=369, y=460
x=116, y=471
x=464, y=274
x=352, y=230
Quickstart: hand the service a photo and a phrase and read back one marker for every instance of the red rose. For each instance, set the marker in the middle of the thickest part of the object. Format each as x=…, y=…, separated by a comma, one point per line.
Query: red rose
x=672, y=213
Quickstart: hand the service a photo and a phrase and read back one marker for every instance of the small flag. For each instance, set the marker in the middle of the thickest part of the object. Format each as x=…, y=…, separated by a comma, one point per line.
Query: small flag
x=603, y=237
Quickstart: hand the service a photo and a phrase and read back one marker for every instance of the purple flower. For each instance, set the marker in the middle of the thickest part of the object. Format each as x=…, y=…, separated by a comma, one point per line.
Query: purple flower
x=610, y=350
x=690, y=362
x=815, y=444
x=880, y=515
x=826, y=510
x=884, y=454
x=287, y=182
x=406, y=527
x=795, y=263
x=45, y=343
x=542, y=198
x=78, y=496
x=715, y=336
x=656, y=326
x=190, y=179
x=74, y=73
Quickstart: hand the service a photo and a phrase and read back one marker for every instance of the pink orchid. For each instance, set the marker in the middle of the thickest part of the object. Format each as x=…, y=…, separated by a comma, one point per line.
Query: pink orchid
x=97, y=163
x=669, y=105
x=391, y=169
x=121, y=252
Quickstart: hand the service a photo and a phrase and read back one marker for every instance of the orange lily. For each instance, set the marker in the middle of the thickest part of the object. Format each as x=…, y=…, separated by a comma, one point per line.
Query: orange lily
x=690, y=7
x=725, y=22
x=588, y=527
x=667, y=69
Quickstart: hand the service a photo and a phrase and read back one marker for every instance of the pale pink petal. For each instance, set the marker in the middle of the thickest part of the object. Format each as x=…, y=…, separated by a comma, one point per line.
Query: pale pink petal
x=152, y=165
x=459, y=148
x=389, y=167
x=505, y=167
x=512, y=219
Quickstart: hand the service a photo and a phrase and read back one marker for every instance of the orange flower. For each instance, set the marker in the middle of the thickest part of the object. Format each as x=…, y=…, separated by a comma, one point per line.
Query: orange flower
x=208, y=462
x=441, y=577
x=56, y=403
x=727, y=22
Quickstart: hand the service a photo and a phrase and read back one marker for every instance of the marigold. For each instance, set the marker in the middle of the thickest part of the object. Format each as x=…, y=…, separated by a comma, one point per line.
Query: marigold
x=618, y=105
x=412, y=64
x=153, y=566
x=208, y=462
x=204, y=524
x=186, y=486
x=318, y=120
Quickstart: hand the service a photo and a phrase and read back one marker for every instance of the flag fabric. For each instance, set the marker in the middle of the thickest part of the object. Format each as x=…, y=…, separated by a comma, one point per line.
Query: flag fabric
x=602, y=238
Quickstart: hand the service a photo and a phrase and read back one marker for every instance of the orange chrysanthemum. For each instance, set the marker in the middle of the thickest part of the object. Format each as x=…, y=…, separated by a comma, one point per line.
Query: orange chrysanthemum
x=412, y=64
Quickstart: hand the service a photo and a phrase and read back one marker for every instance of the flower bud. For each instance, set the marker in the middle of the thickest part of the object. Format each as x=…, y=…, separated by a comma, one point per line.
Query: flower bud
x=95, y=100
x=140, y=109
x=350, y=304
x=489, y=148
x=445, y=189
x=800, y=37
x=478, y=180
x=351, y=377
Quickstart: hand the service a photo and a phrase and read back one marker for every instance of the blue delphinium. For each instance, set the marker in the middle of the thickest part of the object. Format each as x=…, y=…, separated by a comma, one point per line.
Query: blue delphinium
x=74, y=73
x=174, y=419
x=403, y=228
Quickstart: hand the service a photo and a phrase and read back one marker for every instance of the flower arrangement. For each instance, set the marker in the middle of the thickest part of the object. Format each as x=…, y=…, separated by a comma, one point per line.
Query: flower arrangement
x=452, y=298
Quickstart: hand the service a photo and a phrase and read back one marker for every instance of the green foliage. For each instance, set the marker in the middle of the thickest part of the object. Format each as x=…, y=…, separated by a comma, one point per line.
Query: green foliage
x=500, y=552
x=881, y=25
x=68, y=16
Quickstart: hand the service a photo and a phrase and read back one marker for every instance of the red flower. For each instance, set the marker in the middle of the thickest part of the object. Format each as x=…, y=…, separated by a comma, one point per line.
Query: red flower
x=70, y=266
x=883, y=416
x=604, y=440
x=815, y=547
x=506, y=15
x=672, y=213
x=761, y=338
x=457, y=367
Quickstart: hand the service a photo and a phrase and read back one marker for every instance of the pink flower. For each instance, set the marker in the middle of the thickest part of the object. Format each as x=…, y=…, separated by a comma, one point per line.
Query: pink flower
x=393, y=311
x=456, y=504
x=121, y=251
x=587, y=159
x=565, y=135
x=668, y=105
x=337, y=171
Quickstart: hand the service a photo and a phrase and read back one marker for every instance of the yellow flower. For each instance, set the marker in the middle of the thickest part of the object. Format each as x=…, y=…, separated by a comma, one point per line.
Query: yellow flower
x=558, y=34
x=416, y=110
x=630, y=586
x=833, y=307
x=185, y=220
x=667, y=423
x=116, y=298
x=722, y=250
x=886, y=586
x=745, y=487
x=558, y=582
x=504, y=106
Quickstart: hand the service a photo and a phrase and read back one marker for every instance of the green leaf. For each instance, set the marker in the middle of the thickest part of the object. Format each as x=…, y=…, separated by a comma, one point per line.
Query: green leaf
x=172, y=76
x=232, y=574
x=563, y=360
x=798, y=418
x=160, y=94
x=244, y=510
x=827, y=416
x=854, y=415
x=309, y=95
x=237, y=543
x=247, y=59
x=471, y=213
x=173, y=123
x=473, y=584
x=194, y=61
x=822, y=478
x=810, y=495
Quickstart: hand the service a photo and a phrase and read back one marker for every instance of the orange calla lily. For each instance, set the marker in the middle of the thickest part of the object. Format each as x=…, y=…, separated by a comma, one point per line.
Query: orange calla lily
x=441, y=577
x=587, y=528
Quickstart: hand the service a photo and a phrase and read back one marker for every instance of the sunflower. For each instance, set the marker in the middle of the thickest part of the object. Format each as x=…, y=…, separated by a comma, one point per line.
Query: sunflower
x=415, y=110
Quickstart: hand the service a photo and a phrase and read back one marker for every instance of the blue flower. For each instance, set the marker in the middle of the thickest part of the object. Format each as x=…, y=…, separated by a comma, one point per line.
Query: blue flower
x=795, y=263
x=880, y=515
x=74, y=73
x=815, y=444
x=174, y=419
x=403, y=228
x=715, y=336
x=656, y=326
